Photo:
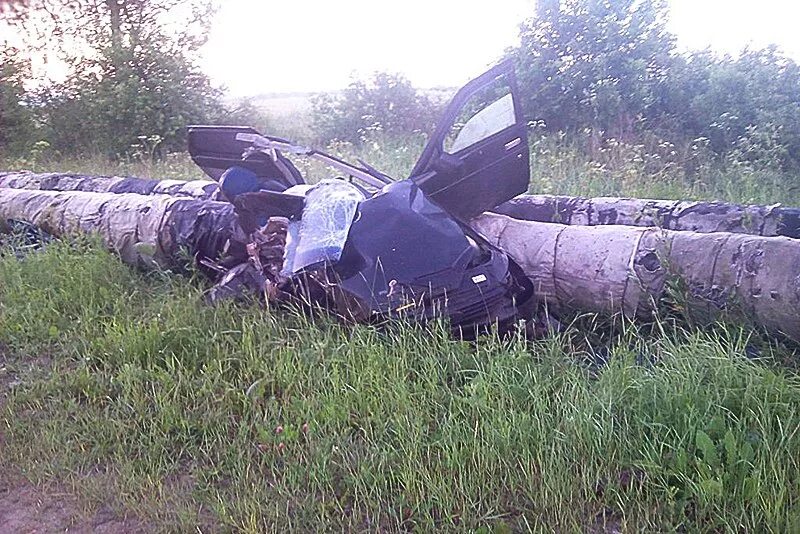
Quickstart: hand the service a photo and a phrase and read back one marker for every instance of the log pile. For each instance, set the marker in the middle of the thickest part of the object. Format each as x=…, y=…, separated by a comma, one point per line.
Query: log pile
x=693, y=216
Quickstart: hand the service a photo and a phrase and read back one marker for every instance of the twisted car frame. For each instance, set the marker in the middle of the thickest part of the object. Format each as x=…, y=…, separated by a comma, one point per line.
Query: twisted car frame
x=373, y=247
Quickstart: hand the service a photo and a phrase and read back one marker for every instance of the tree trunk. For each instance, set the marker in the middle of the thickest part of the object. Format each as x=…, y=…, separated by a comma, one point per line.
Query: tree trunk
x=146, y=231
x=115, y=26
x=700, y=216
x=608, y=269
x=58, y=181
x=604, y=269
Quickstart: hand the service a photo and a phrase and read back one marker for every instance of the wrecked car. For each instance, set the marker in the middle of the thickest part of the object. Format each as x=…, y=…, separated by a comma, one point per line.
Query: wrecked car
x=371, y=247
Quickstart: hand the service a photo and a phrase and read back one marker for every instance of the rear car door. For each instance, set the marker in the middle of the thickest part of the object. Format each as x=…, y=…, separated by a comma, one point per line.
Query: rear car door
x=478, y=155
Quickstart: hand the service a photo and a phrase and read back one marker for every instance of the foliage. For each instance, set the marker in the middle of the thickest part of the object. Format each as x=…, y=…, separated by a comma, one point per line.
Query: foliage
x=611, y=68
x=16, y=119
x=749, y=105
x=386, y=103
x=136, y=78
x=593, y=63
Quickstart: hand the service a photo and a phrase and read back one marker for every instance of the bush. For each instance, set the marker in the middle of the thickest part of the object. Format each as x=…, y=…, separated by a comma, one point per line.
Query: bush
x=613, y=68
x=385, y=103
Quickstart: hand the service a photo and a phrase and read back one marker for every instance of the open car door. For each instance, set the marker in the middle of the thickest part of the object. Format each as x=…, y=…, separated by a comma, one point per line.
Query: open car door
x=478, y=155
x=218, y=148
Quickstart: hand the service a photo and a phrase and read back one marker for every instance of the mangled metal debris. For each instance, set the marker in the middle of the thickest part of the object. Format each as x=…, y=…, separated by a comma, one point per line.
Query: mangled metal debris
x=370, y=249
x=376, y=248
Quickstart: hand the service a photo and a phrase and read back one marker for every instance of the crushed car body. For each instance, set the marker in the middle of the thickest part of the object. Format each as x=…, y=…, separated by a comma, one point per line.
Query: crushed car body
x=370, y=247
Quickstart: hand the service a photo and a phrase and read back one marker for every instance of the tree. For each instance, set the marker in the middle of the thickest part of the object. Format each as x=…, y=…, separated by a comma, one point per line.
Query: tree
x=594, y=63
x=16, y=119
x=133, y=72
x=386, y=103
x=750, y=106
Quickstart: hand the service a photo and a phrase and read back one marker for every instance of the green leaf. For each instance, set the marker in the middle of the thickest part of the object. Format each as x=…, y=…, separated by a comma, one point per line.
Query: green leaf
x=706, y=446
x=711, y=487
x=746, y=452
x=750, y=488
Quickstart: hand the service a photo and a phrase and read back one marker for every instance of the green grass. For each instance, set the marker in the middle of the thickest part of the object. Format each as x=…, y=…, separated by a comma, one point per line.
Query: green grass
x=125, y=388
x=131, y=390
x=557, y=167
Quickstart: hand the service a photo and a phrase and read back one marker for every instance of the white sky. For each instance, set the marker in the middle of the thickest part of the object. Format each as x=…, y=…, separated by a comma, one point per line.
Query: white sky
x=263, y=46
x=259, y=46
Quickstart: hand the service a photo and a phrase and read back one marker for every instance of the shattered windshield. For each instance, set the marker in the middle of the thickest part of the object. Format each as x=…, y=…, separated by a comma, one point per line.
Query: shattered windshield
x=320, y=234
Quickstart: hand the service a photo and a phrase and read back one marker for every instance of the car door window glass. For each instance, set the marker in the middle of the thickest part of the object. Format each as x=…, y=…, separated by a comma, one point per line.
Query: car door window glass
x=486, y=113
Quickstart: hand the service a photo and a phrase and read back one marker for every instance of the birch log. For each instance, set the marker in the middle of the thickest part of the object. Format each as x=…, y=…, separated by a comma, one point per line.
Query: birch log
x=604, y=269
x=608, y=269
x=56, y=181
x=693, y=216
x=145, y=231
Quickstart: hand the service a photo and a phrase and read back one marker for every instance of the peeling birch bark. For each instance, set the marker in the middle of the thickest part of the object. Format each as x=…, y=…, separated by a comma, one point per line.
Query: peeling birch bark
x=610, y=269
x=682, y=215
x=605, y=269
x=54, y=181
x=145, y=231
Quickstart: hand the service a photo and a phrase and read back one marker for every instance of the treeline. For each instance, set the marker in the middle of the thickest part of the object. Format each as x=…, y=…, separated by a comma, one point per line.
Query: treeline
x=600, y=72
x=592, y=73
x=611, y=70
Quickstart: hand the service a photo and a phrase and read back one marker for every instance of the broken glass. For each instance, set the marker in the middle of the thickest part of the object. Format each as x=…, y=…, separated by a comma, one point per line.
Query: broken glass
x=320, y=234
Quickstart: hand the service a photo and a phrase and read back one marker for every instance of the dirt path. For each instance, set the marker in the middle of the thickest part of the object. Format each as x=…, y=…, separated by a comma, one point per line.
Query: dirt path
x=27, y=509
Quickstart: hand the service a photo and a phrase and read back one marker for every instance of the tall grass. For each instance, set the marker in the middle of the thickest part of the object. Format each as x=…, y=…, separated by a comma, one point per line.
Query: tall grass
x=558, y=166
x=250, y=419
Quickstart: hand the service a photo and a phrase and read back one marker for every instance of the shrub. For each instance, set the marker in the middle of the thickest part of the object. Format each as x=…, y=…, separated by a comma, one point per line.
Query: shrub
x=385, y=103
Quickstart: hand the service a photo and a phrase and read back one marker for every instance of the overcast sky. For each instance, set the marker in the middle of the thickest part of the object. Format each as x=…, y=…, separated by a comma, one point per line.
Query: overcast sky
x=264, y=46
x=259, y=46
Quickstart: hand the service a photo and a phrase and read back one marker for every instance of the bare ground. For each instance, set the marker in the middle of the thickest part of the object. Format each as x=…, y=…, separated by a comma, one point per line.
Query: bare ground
x=27, y=509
